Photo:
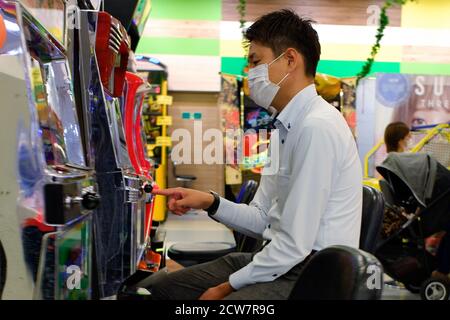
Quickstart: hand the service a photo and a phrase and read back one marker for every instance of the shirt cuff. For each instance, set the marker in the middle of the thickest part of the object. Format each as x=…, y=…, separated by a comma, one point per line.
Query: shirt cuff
x=241, y=278
x=224, y=206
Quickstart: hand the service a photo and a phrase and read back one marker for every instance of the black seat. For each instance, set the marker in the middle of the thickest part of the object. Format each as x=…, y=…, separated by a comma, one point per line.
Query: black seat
x=2, y=269
x=372, y=218
x=191, y=253
x=340, y=273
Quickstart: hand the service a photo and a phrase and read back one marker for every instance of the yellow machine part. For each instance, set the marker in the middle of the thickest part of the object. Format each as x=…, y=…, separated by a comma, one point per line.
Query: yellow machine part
x=161, y=173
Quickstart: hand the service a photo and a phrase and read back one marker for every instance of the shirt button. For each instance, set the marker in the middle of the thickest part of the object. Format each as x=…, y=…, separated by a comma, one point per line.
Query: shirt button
x=268, y=226
x=274, y=275
x=289, y=125
x=282, y=141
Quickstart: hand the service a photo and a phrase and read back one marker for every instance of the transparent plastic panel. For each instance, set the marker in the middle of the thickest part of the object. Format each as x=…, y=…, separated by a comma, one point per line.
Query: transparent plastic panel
x=59, y=85
x=45, y=275
x=50, y=13
x=117, y=132
x=112, y=234
x=73, y=261
x=51, y=127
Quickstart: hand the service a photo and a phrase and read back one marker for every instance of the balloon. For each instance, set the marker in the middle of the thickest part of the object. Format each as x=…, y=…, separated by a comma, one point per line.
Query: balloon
x=327, y=86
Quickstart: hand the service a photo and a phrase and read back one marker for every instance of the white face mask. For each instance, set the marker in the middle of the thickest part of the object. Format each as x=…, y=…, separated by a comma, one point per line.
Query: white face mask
x=262, y=90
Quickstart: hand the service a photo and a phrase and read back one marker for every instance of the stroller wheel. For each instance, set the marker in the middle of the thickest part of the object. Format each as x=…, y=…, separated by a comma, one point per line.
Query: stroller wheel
x=434, y=289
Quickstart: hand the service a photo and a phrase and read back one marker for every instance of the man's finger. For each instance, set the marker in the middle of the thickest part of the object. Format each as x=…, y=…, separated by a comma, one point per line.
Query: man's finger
x=171, y=204
x=166, y=192
x=182, y=203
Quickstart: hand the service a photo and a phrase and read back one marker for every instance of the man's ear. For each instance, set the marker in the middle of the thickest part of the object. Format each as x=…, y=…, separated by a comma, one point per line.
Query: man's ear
x=293, y=58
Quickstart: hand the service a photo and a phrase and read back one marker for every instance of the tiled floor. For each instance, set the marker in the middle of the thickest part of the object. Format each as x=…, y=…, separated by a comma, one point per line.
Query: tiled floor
x=197, y=226
x=392, y=293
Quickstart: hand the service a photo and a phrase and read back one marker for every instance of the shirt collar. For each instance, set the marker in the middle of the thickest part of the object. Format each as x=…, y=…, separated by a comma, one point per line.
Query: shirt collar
x=296, y=106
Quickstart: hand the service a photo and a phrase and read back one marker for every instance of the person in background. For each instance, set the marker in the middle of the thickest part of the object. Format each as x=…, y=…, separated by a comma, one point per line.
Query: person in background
x=396, y=137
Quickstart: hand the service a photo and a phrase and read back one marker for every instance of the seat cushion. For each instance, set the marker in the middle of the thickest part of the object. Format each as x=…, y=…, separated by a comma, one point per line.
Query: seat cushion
x=340, y=273
x=199, y=251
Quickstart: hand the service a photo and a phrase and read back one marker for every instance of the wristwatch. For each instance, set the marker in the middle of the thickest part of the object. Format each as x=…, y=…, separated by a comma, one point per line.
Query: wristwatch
x=212, y=209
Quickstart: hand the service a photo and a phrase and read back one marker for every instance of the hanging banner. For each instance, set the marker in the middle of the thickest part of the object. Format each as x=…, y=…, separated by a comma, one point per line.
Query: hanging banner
x=230, y=121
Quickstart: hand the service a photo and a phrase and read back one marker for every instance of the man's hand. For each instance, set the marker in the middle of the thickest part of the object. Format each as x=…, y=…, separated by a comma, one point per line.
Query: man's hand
x=217, y=293
x=181, y=200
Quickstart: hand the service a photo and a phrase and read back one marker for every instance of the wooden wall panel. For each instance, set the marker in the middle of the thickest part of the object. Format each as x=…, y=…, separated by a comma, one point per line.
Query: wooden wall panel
x=209, y=177
x=347, y=12
x=183, y=29
x=426, y=53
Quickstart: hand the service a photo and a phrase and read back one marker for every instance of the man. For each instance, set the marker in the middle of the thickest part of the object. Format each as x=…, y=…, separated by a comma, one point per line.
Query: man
x=313, y=201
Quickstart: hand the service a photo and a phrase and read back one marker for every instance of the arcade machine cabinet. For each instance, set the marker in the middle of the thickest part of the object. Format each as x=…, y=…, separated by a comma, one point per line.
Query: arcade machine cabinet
x=135, y=92
x=47, y=233
x=119, y=222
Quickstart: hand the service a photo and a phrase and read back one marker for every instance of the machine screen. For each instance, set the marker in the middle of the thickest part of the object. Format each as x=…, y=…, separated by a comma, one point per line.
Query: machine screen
x=58, y=121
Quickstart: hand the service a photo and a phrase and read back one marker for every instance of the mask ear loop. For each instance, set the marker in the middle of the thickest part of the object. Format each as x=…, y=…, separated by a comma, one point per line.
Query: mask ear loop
x=274, y=60
x=278, y=84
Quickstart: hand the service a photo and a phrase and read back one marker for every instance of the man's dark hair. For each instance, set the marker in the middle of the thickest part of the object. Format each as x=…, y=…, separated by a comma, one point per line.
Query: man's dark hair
x=284, y=29
x=393, y=133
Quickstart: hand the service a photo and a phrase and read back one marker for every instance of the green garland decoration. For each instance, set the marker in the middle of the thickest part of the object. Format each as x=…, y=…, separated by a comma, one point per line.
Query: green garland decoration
x=242, y=9
x=384, y=21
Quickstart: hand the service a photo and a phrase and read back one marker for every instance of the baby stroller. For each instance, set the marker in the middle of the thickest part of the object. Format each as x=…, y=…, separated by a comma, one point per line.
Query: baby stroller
x=417, y=196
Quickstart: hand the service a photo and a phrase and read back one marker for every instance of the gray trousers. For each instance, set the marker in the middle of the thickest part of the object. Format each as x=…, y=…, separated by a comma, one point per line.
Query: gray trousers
x=191, y=282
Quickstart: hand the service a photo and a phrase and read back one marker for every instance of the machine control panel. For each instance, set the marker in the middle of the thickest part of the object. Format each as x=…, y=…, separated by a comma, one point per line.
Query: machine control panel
x=65, y=202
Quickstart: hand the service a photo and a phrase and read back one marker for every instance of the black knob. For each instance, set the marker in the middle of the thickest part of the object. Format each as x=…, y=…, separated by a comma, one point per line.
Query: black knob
x=148, y=188
x=90, y=201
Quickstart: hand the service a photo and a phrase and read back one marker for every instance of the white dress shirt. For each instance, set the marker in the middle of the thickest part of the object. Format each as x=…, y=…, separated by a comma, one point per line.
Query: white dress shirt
x=313, y=201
